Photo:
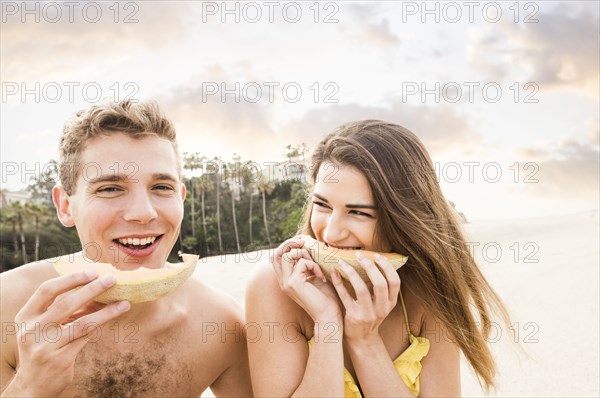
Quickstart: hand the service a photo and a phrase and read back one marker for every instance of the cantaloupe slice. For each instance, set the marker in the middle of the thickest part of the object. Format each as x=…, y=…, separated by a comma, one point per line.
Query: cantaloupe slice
x=327, y=258
x=137, y=286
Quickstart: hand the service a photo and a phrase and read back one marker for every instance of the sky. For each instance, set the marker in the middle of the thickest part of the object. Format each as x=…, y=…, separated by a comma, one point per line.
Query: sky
x=505, y=95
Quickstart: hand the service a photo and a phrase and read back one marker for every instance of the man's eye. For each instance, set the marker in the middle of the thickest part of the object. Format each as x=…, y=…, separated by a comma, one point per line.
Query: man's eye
x=164, y=188
x=109, y=189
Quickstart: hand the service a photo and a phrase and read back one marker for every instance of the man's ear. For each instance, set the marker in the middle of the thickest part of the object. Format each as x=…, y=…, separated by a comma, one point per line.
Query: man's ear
x=62, y=203
x=183, y=192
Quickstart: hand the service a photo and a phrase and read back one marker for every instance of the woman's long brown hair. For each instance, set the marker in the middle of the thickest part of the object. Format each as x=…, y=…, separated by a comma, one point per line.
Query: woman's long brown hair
x=415, y=219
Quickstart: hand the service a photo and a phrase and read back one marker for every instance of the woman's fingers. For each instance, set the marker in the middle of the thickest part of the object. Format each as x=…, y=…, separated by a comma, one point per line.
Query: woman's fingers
x=391, y=275
x=380, y=285
x=280, y=252
x=383, y=277
x=360, y=287
x=307, y=267
x=341, y=290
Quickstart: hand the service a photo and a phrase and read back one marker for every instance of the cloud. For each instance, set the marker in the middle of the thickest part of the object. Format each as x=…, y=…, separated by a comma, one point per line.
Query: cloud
x=259, y=131
x=218, y=127
x=380, y=34
x=594, y=134
x=495, y=67
x=33, y=51
x=440, y=128
x=369, y=27
x=567, y=169
x=560, y=50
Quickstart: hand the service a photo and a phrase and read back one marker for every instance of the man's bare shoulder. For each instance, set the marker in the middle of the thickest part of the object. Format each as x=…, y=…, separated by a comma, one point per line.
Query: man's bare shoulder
x=18, y=284
x=16, y=287
x=214, y=326
x=208, y=304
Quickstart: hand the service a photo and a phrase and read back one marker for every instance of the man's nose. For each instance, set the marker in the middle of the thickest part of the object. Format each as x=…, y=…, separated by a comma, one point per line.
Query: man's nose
x=140, y=208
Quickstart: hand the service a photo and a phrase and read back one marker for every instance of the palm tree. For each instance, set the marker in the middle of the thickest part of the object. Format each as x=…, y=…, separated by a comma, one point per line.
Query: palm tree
x=3, y=200
x=13, y=220
x=292, y=152
x=20, y=211
x=39, y=213
x=248, y=181
x=219, y=162
x=233, y=175
x=40, y=187
x=250, y=215
x=204, y=186
x=266, y=188
x=9, y=215
x=192, y=162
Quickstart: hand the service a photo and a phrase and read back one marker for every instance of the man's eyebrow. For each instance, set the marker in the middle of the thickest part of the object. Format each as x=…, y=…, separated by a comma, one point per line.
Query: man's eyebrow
x=164, y=176
x=130, y=178
x=349, y=206
x=109, y=178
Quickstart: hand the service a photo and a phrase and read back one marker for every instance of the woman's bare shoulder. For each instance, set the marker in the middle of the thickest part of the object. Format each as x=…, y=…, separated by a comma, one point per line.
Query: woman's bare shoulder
x=265, y=299
x=416, y=310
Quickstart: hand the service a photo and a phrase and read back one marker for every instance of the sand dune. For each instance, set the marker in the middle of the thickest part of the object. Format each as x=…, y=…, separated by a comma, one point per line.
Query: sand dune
x=547, y=272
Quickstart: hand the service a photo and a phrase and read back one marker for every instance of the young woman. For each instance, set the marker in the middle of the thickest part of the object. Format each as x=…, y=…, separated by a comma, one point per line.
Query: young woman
x=374, y=189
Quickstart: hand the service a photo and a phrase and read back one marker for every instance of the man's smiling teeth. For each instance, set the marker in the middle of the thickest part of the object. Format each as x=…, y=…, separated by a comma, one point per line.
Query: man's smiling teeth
x=137, y=241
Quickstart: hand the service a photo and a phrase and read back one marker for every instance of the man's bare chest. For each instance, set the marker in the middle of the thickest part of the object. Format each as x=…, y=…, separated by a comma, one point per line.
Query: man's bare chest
x=152, y=369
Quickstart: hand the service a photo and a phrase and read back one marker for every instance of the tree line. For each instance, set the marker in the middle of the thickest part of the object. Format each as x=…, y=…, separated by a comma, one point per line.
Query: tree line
x=230, y=207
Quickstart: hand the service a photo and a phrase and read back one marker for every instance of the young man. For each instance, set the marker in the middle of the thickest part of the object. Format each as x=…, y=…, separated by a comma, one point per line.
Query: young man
x=122, y=189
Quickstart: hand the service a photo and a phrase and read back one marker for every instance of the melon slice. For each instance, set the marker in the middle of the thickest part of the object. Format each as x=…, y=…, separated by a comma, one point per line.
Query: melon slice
x=137, y=286
x=327, y=258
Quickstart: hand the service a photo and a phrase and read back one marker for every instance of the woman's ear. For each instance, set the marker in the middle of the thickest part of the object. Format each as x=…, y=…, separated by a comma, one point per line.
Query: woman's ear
x=62, y=203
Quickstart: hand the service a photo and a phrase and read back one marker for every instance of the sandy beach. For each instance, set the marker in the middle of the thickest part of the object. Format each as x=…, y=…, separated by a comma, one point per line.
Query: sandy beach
x=547, y=272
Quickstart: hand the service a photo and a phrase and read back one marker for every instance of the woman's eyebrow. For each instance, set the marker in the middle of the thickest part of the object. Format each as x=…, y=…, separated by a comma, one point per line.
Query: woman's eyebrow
x=353, y=206
x=349, y=206
x=316, y=195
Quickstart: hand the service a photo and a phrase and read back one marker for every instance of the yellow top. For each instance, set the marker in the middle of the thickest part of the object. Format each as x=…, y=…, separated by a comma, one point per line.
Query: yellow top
x=408, y=363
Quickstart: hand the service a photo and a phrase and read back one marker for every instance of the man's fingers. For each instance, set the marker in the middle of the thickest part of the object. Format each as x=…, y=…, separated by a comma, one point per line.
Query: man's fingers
x=88, y=327
x=86, y=309
x=47, y=292
x=62, y=309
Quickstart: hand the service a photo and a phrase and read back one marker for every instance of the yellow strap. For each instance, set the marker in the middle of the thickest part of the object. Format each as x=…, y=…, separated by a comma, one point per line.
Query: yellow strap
x=405, y=314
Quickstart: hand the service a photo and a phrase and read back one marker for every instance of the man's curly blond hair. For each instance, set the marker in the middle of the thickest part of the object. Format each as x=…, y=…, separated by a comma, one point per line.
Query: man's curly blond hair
x=136, y=119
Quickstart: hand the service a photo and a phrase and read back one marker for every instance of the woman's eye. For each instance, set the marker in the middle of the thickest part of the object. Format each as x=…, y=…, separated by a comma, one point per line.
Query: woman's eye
x=320, y=204
x=360, y=213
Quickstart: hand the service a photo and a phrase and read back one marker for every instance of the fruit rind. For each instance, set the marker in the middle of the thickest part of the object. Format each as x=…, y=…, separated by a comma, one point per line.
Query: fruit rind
x=154, y=283
x=327, y=258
